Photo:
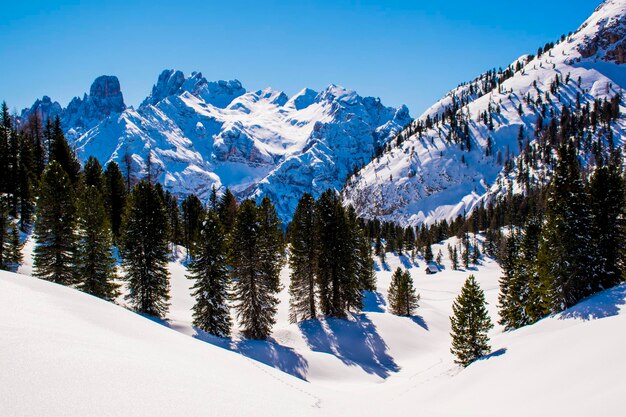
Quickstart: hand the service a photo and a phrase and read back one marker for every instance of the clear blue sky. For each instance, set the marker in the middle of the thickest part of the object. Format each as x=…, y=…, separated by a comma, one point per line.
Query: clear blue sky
x=408, y=52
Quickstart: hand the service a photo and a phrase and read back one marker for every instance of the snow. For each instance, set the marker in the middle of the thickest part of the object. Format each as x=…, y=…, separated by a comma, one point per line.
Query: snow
x=83, y=356
x=432, y=183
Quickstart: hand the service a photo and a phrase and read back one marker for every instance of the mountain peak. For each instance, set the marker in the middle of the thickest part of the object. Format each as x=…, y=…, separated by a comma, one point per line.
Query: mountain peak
x=174, y=82
x=168, y=83
x=106, y=95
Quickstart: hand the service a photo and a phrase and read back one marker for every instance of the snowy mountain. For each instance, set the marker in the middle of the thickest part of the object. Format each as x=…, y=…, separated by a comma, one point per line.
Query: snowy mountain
x=200, y=133
x=83, y=356
x=463, y=149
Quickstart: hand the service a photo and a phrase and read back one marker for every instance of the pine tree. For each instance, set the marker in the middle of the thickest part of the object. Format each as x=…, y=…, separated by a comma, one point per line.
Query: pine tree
x=55, y=227
x=174, y=219
x=193, y=216
x=270, y=244
x=13, y=250
x=465, y=254
x=114, y=196
x=470, y=324
x=61, y=152
x=95, y=263
x=92, y=174
x=569, y=268
x=213, y=200
x=35, y=131
x=144, y=250
x=27, y=177
x=210, y=272
x=428, y=251
x=10, y=244
x=509, y=300
x=254, y=293
x=303, y=260
x=227, y=210
x=608, y=202
x=455, y=259
x=531, y=292
x=339, y=283
x=358, y=269
x=4, y=236
x=403, y=301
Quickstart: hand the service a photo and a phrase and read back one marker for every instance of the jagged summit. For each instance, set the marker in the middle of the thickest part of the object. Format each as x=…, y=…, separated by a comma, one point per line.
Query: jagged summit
x=174, y=82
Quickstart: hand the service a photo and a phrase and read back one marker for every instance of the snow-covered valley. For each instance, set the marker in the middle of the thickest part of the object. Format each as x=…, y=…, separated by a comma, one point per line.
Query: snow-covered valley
x=67, y=353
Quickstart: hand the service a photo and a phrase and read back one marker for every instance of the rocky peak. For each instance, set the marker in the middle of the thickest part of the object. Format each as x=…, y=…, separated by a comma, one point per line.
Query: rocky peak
x=169, y=82
x=106, y=95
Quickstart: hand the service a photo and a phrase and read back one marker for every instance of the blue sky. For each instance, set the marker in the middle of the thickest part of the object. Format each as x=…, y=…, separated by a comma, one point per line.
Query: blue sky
x=409, y=52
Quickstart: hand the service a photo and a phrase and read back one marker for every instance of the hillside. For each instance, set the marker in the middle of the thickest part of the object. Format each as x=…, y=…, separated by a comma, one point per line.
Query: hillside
x=463, y=148
x=104, y=360
x=197, y=134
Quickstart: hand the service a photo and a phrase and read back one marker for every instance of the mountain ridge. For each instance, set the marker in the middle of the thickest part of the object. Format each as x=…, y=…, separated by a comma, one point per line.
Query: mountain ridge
x=200, y=134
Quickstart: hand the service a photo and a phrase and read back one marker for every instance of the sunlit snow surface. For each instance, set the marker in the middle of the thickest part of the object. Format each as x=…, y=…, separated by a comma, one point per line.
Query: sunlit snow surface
x=66, y=353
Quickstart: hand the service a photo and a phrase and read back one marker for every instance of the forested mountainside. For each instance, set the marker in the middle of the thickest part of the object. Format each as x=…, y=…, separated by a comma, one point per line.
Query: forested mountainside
x=500, y=131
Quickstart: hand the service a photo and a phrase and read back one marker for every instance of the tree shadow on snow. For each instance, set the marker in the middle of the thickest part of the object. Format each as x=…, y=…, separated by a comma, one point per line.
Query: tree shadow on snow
x=494, y=354
x=605, y=304
x=406, y=262
x=419, y=320
x=355, y=342
x=267, y=351
x=373, y=302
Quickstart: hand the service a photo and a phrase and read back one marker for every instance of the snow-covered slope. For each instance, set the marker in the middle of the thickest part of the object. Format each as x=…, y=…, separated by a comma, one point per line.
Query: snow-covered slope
x=200, y=133
x=82, y=356
x=64, y=353
x=432, y=175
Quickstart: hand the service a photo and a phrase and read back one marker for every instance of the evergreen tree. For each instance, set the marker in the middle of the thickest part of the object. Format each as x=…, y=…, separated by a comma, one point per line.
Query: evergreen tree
x=213, y=200
x=227, y=210
x=193, y=216
x=13, y=250
x=61, y=152
x=4, y=235
x=254, y=292
x=510, y=297
x=607, y=198
x=270, y=244
x=569, y=268
x=455, y=259
x=55, y=227
x=402, y=297
x=465, y=254
x=470, y=324
x=27, y=176
x=174, y=219
x=34, y=129
x=92, y=173
x=428, y=251
x=339, y=282
x=303, y=260
x=210, y=272
x=10, y=244
x=95, y=263
x=114, y=196
x=144, y=250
